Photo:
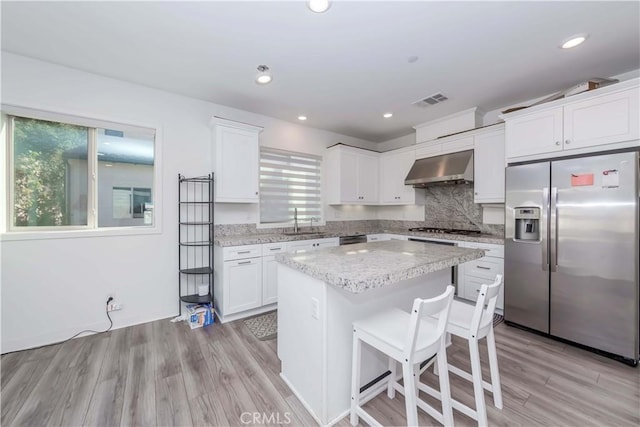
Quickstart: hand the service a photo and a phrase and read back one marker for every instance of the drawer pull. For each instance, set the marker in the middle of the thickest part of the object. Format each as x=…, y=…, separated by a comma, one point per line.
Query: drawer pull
x=243, y=252
x=483, y=268
x=275, y=249
x=244, y=262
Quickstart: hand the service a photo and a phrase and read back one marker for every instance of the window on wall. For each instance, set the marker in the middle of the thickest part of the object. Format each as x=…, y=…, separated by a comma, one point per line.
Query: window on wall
x=64, y=174
x=289, y=181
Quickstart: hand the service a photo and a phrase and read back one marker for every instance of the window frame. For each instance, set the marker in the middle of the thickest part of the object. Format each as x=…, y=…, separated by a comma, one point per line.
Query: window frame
x=9, y=232
x=322, y=220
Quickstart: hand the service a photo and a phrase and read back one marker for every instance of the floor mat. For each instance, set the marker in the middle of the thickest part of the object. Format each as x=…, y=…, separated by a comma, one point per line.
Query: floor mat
x=497, y=319
x=264, y=326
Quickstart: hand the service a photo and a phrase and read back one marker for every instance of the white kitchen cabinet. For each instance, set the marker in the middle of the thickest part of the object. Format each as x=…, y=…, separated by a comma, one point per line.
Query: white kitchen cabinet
x=535, y=133
x=473, y=274
x=243, y=285
x=377, y=237
x=236, y=155
x=603, y=119
x=394, y=167
x=312, y=245
x=489, y=167
x=238, y=271
x=446, y=145
x=352, y=176
x=270, y=271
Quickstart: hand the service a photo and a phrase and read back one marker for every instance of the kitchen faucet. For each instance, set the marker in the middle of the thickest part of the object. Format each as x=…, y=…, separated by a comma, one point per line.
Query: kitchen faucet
x=295, y=220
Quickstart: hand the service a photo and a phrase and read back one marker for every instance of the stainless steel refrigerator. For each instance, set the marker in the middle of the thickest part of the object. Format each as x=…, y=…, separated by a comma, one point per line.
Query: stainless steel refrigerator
x=571, y=250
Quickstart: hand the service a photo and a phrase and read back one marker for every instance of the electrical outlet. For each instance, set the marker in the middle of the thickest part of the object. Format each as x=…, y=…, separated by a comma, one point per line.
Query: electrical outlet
x=315, y=308
x=114, y=306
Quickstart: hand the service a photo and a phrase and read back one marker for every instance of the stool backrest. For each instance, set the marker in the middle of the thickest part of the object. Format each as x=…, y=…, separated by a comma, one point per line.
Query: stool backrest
x=485, y=305
x=439, y=307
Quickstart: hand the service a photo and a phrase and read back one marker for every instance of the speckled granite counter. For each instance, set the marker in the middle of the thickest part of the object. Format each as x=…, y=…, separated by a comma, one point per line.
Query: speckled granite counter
x=258, y=238
x=358, y=268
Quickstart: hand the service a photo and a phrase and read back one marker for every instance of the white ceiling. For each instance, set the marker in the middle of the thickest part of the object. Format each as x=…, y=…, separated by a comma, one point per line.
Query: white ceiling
x=343, y=69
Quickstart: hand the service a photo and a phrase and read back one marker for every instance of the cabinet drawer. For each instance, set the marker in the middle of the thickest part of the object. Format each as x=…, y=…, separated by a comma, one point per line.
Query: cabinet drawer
x=484, y=268
x=274, y=248
x=241, y=252
x=472, y=287
x=491, y=250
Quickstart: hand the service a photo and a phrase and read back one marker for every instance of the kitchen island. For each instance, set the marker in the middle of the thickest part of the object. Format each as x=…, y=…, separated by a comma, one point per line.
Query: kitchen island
x=321, y=293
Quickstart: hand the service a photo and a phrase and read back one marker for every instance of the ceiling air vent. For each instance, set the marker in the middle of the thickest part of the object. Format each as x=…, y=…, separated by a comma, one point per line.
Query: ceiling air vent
x=434, y=99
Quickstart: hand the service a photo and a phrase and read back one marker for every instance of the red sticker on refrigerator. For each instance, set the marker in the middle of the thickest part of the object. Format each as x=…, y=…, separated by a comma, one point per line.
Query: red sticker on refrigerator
x=582, y=179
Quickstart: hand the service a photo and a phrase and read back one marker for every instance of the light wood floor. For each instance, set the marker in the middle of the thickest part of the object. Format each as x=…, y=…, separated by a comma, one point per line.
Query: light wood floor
x=162, y=373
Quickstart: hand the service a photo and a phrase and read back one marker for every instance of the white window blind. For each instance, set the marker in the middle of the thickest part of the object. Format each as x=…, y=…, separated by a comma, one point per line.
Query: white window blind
x=289, y=180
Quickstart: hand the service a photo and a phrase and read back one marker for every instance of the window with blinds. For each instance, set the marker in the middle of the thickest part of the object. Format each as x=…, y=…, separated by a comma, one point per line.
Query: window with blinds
x=289, y=180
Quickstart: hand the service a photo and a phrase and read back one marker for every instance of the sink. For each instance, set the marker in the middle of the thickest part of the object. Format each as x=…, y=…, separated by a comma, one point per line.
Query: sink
x=305, y=233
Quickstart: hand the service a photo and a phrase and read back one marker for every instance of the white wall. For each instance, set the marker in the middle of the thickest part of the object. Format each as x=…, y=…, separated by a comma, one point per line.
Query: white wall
x=53, y=288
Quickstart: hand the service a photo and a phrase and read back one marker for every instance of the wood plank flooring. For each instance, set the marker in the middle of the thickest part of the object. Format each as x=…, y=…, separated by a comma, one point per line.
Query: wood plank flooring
x=164, y=374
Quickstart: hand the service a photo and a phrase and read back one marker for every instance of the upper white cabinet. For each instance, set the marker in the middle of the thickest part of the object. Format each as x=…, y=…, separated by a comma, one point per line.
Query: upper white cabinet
x=534, y=133
x=236, y=154
x=446, y=145
x=488, y=166
x=352, y=175
x=394, y=167
x=603, y=119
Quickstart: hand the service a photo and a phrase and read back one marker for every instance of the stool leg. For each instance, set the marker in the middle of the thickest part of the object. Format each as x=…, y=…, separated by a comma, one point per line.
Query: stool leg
x=355, y=378
x=496, y=389
x=445, y=388
x=391, y=391
x=478, y=389
x=410, y=394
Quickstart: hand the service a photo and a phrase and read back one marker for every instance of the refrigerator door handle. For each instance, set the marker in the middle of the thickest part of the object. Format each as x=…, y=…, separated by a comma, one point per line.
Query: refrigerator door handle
x=553, y=230
x=544, y=235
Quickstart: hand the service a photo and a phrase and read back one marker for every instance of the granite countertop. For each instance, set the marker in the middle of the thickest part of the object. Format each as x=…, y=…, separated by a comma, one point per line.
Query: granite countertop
x=364, y=266
x=258, y=238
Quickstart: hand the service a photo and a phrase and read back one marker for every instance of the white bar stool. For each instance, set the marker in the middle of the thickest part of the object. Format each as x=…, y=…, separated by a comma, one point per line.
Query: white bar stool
x=474, y=323
x=408, y=338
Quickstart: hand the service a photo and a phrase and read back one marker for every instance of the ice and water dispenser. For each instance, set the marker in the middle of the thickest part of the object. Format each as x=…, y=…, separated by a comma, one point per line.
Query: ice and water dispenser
x=527, y=224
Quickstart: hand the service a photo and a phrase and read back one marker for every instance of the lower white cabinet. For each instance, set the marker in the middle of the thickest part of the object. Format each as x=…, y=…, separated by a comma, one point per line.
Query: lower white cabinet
x=246, y=279
x=238, y=280
x=242, y=284
x=377, y=237
x=473, y=274
x=312, y=245
x=270, y=271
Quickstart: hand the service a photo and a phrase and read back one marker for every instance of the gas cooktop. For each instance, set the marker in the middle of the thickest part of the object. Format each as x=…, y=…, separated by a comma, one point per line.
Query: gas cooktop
x=445, y=231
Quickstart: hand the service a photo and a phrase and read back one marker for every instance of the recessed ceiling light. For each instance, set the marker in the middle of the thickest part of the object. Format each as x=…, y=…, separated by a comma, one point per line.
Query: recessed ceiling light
x=108, y=165
x=387, y=115
x=574, y=41
x=264, y=76
x=303, y=118
x=319, y=6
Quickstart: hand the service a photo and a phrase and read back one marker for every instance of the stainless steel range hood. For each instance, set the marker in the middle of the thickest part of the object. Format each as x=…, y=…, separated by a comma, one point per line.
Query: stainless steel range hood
x=452, y=168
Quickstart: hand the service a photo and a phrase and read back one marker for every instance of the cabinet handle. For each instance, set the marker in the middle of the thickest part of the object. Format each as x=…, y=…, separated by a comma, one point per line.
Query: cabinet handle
x=244, y=262
x=275, y=249
x=567, y=141
x=557, y=142
x=476, y=193
x=482, y=268
x=256, y=193
x=244, y=252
